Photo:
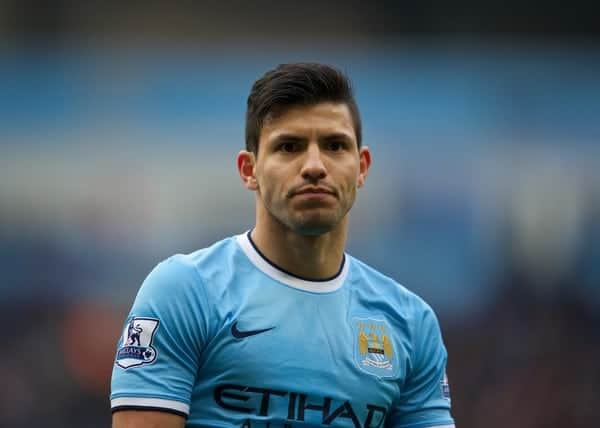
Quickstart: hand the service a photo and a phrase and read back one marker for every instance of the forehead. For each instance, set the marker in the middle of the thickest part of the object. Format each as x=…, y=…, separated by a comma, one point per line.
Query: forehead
x=308, y=121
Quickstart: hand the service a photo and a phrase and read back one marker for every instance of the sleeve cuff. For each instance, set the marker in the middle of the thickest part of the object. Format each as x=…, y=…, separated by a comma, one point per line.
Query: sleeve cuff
x=144, y=403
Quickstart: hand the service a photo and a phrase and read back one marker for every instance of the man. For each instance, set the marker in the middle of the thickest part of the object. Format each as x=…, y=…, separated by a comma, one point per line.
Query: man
x=278, y=327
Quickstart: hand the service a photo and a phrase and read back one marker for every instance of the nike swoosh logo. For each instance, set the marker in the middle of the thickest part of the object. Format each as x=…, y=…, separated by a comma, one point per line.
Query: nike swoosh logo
x=238, y=334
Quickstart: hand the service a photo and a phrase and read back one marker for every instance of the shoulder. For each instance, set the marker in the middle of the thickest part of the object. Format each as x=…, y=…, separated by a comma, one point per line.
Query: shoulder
x=183, y=273
x=401, y=301
x=373, y=280
x=219, y=254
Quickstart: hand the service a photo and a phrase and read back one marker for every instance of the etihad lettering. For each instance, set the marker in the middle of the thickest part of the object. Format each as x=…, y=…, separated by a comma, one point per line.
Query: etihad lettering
x=300, y=407
x=224, y=391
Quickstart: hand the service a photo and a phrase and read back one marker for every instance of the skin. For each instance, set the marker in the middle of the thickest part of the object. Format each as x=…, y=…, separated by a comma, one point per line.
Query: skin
x=146, y=419
x=305, y=177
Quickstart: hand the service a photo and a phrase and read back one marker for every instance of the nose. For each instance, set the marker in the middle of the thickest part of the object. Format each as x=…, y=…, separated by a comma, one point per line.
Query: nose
x=313, y=168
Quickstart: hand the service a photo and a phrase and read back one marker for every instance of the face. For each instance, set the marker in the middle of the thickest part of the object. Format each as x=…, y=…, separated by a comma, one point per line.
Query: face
x=309, y=167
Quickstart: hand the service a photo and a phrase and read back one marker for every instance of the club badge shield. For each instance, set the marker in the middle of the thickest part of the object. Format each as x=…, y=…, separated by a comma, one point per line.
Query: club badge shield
x=373, y=347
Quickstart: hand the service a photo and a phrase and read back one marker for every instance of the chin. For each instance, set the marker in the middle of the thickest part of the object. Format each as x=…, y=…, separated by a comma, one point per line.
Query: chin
x=314, y=227
x=313, y=231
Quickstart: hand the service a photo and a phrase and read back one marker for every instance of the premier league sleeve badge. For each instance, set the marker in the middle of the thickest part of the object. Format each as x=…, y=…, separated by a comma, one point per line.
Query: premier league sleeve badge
x=136, y=348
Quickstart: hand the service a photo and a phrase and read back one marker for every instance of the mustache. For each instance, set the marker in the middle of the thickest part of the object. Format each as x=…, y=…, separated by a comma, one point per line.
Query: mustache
x=302, y=188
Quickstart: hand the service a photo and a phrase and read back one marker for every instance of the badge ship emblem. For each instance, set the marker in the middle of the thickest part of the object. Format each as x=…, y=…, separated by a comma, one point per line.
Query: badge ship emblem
x=136, y=343
x=374, y=351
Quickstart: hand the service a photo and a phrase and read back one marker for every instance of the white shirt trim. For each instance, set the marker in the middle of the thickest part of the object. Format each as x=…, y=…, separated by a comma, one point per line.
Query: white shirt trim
x=150, y=402
x=295, y=282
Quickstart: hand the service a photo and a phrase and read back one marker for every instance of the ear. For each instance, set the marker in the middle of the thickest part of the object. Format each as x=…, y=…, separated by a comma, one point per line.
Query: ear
x=365, y=163
x=245, y=165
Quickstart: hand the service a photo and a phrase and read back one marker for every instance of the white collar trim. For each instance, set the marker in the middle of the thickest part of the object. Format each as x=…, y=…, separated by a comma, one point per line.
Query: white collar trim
x=284, y=277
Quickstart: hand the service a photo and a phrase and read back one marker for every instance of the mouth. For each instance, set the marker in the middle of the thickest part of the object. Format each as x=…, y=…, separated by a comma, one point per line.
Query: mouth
x=314, y=192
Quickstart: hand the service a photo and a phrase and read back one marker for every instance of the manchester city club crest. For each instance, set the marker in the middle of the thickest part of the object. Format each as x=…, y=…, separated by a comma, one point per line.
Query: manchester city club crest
x=136, y=348
x=373, y=347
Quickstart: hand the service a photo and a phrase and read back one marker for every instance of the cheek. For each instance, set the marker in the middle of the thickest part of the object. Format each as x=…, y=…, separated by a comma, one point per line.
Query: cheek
x=269, y=186
x=350, y=181
x=351, y=188
x=350, y=193
x=274, y=177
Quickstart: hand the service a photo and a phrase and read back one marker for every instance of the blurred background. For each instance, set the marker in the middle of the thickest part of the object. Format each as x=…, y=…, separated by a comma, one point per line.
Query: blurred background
x=119, y=126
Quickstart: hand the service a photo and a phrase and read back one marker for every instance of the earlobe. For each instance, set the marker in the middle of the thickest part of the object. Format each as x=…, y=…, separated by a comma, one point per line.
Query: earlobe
x=252, y=184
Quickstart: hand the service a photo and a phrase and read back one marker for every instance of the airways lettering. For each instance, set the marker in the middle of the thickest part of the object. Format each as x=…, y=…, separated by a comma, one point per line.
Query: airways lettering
x=236, y=397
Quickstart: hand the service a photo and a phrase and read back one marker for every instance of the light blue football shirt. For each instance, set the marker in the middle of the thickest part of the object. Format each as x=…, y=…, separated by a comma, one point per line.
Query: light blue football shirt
x=227, y=339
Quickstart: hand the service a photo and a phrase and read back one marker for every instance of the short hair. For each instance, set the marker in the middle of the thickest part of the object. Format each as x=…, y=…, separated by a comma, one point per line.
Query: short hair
x=297, y=84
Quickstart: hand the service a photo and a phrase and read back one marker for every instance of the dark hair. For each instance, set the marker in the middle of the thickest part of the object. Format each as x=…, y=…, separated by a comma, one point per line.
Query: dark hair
x=295, y=84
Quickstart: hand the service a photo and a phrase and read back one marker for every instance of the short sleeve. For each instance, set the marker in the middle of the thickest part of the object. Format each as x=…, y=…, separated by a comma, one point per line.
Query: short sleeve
x=159, y=350
x=425, y=397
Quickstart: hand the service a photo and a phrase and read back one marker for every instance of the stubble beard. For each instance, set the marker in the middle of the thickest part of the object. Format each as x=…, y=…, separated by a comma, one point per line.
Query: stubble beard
x=313, y=224
x=307, y=220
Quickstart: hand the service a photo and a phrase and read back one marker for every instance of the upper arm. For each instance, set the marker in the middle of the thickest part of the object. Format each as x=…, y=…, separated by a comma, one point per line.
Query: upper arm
x=159, y=352
x=146, y=419
x=425, y=398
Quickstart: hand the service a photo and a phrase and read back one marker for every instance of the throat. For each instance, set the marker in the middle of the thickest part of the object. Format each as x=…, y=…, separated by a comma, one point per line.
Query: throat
x=313, y=258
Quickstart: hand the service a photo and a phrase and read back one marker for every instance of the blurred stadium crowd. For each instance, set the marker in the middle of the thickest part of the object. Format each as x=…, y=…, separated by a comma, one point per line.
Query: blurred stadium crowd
x=117, y=145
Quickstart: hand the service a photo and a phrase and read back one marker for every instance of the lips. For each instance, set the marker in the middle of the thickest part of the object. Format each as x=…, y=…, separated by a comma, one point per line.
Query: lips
x=314, y=190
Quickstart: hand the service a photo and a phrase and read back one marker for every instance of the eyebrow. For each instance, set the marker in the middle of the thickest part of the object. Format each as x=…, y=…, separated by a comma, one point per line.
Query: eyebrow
x=288, y=138
x=337, y=136
x=295, y=138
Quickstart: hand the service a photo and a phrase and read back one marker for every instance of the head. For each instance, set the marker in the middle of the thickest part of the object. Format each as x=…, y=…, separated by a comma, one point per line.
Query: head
x=304, y=156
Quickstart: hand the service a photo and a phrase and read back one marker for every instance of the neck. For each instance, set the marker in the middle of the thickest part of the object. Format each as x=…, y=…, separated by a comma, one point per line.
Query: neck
x=310, y=257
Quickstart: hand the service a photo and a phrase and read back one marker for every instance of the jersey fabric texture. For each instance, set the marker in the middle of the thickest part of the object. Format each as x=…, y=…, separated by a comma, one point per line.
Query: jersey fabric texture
x=226, y=339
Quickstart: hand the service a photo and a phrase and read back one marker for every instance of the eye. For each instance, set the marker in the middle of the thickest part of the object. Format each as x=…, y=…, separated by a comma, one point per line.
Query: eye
x=288, y=147
x=335, y=145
